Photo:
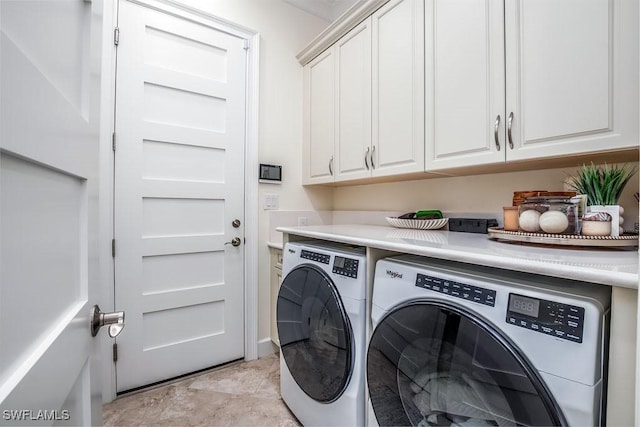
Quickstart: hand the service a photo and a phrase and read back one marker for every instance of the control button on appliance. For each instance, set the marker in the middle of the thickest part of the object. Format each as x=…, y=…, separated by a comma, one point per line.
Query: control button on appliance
x=458, y=290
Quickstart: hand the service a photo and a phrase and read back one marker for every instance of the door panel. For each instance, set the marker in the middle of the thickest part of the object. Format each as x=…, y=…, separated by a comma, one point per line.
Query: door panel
x=398, y=87
x=560, y=68
x=466, y=38
x=179, y=160
x=569, y=76
x=48, y=203
x=353, y=136
x=319, y=120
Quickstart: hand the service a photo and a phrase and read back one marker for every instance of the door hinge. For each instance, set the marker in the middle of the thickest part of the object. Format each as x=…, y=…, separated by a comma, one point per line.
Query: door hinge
x=116, y=36
x=113, y=248
x=246, y=44
x=113, y=141
x=115, y=352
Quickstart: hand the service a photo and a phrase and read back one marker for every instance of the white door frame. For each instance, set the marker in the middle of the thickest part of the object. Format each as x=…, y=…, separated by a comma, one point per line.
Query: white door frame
x=251, y=169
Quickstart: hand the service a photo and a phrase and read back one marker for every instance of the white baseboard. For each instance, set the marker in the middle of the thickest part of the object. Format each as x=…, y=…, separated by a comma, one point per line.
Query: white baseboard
x=266, y=347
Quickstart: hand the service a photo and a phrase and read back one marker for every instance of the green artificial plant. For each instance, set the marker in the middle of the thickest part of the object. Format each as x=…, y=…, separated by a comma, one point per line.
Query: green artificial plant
x=602, y=185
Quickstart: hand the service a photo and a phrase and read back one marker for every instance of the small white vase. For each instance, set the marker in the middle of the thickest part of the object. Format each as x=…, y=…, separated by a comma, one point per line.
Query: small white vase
x=614, y=211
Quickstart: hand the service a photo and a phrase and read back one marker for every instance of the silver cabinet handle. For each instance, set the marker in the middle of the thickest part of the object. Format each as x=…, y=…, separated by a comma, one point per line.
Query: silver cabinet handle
x=495, y=132
x=99, y=319
x=373, y=150
x=331, y=166
x=234, y=242
x=509, y=125
x=366, y=158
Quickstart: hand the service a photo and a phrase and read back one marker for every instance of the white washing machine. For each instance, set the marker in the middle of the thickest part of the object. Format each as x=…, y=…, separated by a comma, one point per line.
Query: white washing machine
x=456, y=344
x=321, y=317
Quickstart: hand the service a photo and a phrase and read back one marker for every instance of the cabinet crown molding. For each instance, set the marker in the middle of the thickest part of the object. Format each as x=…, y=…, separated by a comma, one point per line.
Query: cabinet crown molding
x=338, y=28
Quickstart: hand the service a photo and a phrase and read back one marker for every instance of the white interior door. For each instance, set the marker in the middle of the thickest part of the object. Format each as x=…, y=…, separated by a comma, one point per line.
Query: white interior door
x=179, y=171
x=49, y=56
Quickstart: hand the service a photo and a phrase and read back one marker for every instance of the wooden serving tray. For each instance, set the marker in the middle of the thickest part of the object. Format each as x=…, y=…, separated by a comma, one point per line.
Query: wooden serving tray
x=625, y=240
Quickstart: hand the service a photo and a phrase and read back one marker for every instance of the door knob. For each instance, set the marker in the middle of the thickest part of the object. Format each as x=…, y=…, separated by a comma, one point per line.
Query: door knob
x=99, y=319
x=234, y=242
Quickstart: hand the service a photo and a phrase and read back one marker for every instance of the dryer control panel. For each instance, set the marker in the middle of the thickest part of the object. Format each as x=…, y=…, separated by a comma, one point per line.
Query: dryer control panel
x=345, y=266
x=314, y=256
x=457, y=289
x=548, y=317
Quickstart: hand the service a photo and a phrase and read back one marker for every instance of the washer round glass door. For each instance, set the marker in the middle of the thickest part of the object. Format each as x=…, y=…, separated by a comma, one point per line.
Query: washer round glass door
x=315, y=333
x=431, y=363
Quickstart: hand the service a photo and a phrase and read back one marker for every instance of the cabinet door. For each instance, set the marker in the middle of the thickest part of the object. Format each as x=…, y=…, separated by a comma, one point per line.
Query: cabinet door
x=572, y=76
x=319, y=113
x=398, y=87
x=276, y=280
x=464, y=78
x=353, y=103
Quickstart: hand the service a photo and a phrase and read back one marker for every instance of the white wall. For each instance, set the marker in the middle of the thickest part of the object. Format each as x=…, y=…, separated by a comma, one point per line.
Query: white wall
x=478, y=193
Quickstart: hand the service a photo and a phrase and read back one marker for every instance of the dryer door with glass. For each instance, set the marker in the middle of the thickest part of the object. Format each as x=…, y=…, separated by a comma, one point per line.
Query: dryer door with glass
x=316, y=339
x=435, y=363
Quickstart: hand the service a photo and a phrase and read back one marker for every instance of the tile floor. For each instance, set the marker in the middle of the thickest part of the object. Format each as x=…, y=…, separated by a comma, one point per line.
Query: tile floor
x=242, y=394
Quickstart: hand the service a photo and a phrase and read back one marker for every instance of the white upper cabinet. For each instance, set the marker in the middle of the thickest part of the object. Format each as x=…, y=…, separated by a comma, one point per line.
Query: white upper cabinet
x=465, y=98
x=436, y=85
x=572, y=76
x=364, y=99
x=319, y=119
x=398, y=88
x=353, y=103
x=529, y=79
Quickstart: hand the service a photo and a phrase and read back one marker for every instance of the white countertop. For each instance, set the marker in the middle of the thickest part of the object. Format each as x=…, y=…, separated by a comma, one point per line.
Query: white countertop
x=275, y=245
x=609, y=267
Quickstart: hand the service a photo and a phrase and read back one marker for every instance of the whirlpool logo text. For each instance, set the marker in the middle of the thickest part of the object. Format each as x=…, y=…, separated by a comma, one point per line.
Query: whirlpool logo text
x=394, y=274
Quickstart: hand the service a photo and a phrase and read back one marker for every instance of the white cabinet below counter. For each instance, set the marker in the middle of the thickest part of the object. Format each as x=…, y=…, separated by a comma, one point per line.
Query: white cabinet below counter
x=275, y=282
x=512, y=80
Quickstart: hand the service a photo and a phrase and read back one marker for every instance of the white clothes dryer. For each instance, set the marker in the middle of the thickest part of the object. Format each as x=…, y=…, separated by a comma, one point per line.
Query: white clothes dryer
x=321, y=318
x=459, y=344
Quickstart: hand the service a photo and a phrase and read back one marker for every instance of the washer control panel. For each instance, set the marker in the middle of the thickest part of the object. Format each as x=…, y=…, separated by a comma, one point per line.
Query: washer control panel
x=314, y=256
x=457, y=289
x=345, y=266
x=548, y=317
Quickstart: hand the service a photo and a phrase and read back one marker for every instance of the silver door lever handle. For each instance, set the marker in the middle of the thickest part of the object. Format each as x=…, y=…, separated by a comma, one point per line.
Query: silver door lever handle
x=99, y=319
x=234, y=242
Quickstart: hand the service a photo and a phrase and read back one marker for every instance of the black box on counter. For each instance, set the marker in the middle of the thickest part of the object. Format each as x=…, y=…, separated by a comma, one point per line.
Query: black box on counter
x=472, y=225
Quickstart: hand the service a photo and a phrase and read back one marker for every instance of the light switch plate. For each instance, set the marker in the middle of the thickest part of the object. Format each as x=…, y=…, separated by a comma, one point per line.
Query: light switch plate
x=271, y=201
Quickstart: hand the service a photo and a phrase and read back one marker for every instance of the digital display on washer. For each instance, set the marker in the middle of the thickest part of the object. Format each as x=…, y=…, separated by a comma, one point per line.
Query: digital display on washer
x=345, y=266
x=524, y=305
x=548, y=317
